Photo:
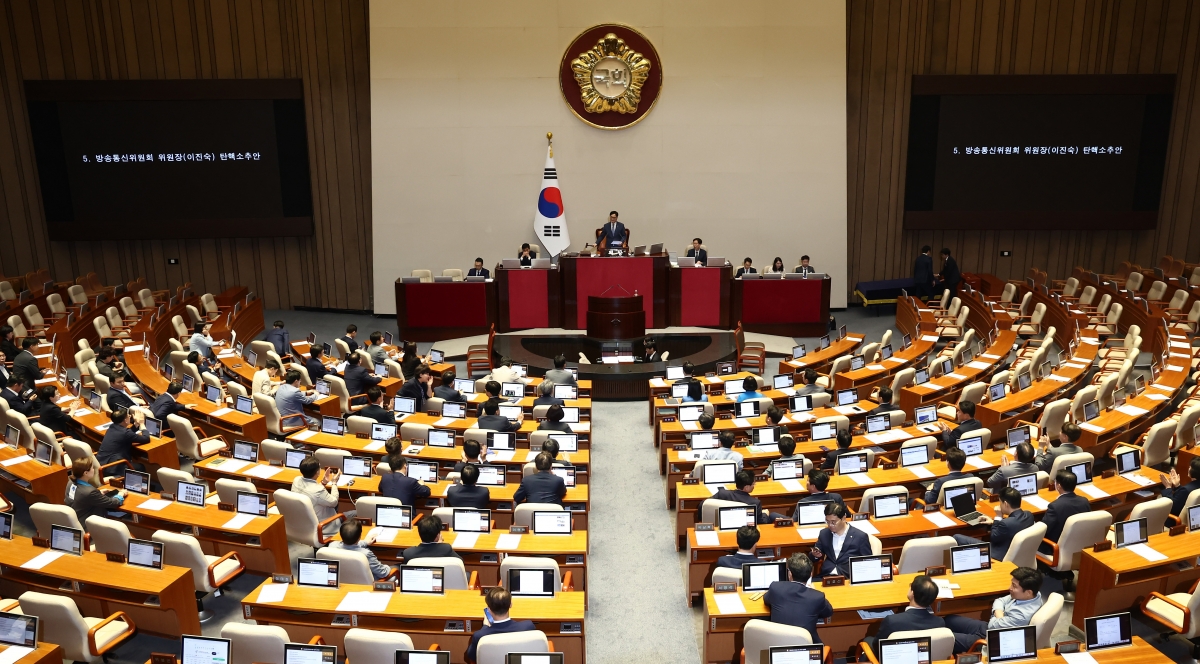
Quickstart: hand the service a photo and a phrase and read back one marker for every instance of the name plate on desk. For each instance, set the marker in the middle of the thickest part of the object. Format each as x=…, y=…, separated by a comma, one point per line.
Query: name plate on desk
x=890, y=465
x=225, y=507
x=1103, y=545
x=860, y=516
x=281, y=578
x=41, y=542
x=1067, y=647
x=1177, y=530
x=725, y=587
x=570, y=628
x=167, y=496
x=935, y=570
x=362, y=520
x=833, y=580
x=932, y=507
x=518, y=530
x=385, y=586
x=115, y=557
x=691, y=481
x=968, y=658
x=700, y=528
x=275, y=462
x=225, y=453
x=783, y=523
x=680, y=448
x=1108, y=473
x=162, y=658
x=362, y=436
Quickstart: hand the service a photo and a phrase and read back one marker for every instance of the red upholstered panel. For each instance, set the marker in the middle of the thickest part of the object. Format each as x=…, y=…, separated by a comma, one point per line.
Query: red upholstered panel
x=700, y=296
x=528, y=302
x=596, y=275
x=781, y=301
x=446, y=305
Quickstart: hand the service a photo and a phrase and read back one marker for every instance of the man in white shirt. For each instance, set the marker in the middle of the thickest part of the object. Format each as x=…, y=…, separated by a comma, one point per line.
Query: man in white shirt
x=725, y=451
x=1012, y=610
x=202, y=342
x=505, y=373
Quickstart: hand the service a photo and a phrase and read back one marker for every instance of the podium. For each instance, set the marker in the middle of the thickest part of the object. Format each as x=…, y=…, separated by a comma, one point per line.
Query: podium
x=618, y=317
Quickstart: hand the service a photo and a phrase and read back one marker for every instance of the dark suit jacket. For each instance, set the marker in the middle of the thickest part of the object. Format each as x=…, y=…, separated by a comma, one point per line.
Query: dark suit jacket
x=999, y=479
x=541, y=487
x=481, y=272
x=506, y=627
x=497, y=423
x=701, y=257
x=15, y=402
x=26, y=363
x=912, y=619
x=881, y=409
x=280, y=339
x=932, y=494
x=1003, y=531
x=54, y=418
x=316, y=370
x=739, y=496
x=118, y=444
x=805, y=269
x=10, y=349
x=832, y=455
x=857, y=543
x=351, y=343
x=950, y=273
x=736, y=560
x=1063, y=508
x=461, y=495
x=415, y=389
x=612, y=235
x=430, y=550
x=923, y=270
x=527, y=260
x=1179, y=495
x=403, y=488
x=744, y=270
x=378, y=413
x=117, y=399
x=561, y=427
x=822, y=497
x=358, y=379
x=163, y=406
x=950, y=438
x=89, y=501
x=547, y=401
x=447, y=393
x=798, y=605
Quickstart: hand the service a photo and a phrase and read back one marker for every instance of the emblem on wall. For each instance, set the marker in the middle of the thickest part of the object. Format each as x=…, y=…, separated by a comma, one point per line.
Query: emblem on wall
x=610, y=76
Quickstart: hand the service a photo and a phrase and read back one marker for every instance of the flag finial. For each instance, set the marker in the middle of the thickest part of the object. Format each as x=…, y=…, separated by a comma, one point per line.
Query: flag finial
x=550, y=142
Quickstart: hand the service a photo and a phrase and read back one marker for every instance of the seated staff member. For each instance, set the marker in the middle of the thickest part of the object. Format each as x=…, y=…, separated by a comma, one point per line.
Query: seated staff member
x=1064, y=444
x=411, y=360
x=1013, y=520
x=124, y=432
x=697, y=252
x=1065, y=506
x=542, y=486
x=964, y=414
x=468, y=494
x=746, y=268
x=429, y=529
x=358, y=379
x=280, y=338
x=419, y=387
x=494, y=421
x=956, y=460
x=650, y=350
x=794, y=602
x=695, y=392
x=554, y=417
x=505, y=373
x=313, y=365
x=885, y=403
x=776, y=266
x=12, y=395
x=86, y=499
x=725, y=451
x=749, y=389
x=167, y=403
x=50, y=415
x=918, y=616
x=117, y=396
x=747, y=538
x=375, y=409
x=479, y=270
x=1022, y=466
x=446, y=391
x=472, y=454
x=499, y=602
x=397, y=484
x=1014, y=609
x=526, y=255
x=844, y=440
x=804, y=267
x=744, y=481
x=349, y=337
x=322, y=493
x=838, y=542
x=559, y=374
x=546, y=395
x=351, y=532
x=809, y=380
x=290, y=400
x=1179, y=494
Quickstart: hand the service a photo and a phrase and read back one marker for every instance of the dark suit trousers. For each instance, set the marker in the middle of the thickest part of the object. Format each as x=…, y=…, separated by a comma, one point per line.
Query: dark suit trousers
x=966, y=631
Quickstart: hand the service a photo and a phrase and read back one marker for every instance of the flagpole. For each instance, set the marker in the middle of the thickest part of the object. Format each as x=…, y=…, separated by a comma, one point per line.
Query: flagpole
x=550, y=142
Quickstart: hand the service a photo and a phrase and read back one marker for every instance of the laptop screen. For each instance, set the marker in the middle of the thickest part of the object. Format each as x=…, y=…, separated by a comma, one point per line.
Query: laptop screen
x=905, y=651
x=995, y=392
x=823, y=342
x=472, y=521
x=971, y=446
x=734, y=387
x=189, y=383
x=914, y=456
x=886, y=506
x=1013, y=643
x=524, y=582
x=1128, y=462
x=1193, y=518
x=678, y=390
x=464, y=385
x=970, y=558
x=690, y=413
x=811, y=513
x=921, y=377
x=852, y=463
x=333, y=425
x=190, y=493
x=490, y=475
x=212, y=393
x=12, y=436
x=153, y=427
x=252, y=503
x=800, y=403
x=404, y=405
x=423, y=656
x=144, y=553
x=962, y=500
x=510, y=412
x=1091, y=410
x=870, y=569
x=322, y=387
x=760, y=576
x=137, y=482
x=423, y=471
x=796, y=654
x=1129, y=533
x=734, y=517
x=786, y=470
x=552, y=523
x=797, y=352
x=6, y=521
x=18, y=630
x=1024, y=380
x=69, y=540
x=204, y=650
x=570, y=392
x=567, y=442
x=245, y=450
x=499, y=440
x=382, y=432
x=674, y=373
x=1083, y=472
x=454, y=409
x=823, y=431
x=726, y=368
x=570, y=414
x=441, y=437
x=356, y=466
x=1108, y=631
x=1025, y=484
x=319, y=573
x=847, y=397
x=782, y=381
x=925, y=414
x=704, y=440
x=718, y=473
x=512, y=389
x=292, y=458
x=748, y=409
x=877, y=423
x=302, y=653
x=393, y=516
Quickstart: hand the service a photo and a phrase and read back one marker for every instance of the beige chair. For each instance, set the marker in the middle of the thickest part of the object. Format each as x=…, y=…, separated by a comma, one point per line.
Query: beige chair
x=182, y=331
x=108, y=535
x=1134, y=281
x=45, y=515
x=337, y=387
x=1185, y=430
x=454, y=572
x=867, y=504
x=1155, y=444
x=227, y=489
x=454, y=272
x=364, y=507
x=300, y=519
x=760, y=635
x=494, y=648
x=7, y=293
x=77, y=449
x=838, y=366
x=1176, y=611
x=956, y=327
x=709, y=508
x=425, y=275
x=1082, y=396
x=189, y=442
x=82, y=639
x=726, y=575
x=16, y=419
x=1022, y=551
x=918, y=554
x=356, y=424
x=209, y=303
x=412, y=431
x=77, y=294
x=1079, y=532
x=54, y=303
x=255, y=644
x=373, y=645
x=1106, y=326
x=330, y=458
x=842, y=422
x=523, y=514
x=975, y=483
x=266, y=407
x=46, y=435
x=1155, y=513
x=37, y=324
x=697, y=471
x=352, y=565
x=169, y=479
x=1027, y=326
x=562, y=581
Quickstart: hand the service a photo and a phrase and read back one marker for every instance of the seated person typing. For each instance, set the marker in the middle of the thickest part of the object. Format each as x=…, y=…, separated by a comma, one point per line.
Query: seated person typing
x=397, y=484
x=794, y=602
x=725, y=451
x=446, y=391
x=479, y=270
x=1013, y=520
x=554, y=417
x=956, y=460
x=746, y=268
x=493, y=420
x=747, y=538
x=468, y=494
x=550, y=446
x=499, y=603
x=429, y=529
x=374, y=409
x=804, y=267
x=838, y=542
x=844, y=440
x=1014, y=609
x=419, y=387
x=965, y=416
x=546, y=396
x=787, y=452
x=351, y=533
x=357, y=378
x=290, y=399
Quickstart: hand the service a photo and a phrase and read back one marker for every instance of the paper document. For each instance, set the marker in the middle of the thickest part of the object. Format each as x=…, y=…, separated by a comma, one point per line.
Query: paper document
x=15, y=460
x=272, y=593
x=263, y=472
x=1138, y=479
x=153, y=505
x=42, y=559
x=980, y=366
x=921, y=472
x=714, y=379
x=1180, y=344
x=795, y=363
x=1057, y=378
x=12, y=654
x=938, y=519
x=876, y=367
x=791, y=486
x=508, y=542
x=127, y=349
x=889, y=436
x=1088, y=426
x=809, y=533
x=81, y=412
x=990, y=357
x=465, y=540
x=729, y=603
x=847, y=410
x=1090, y=340
x=502, y=455
x=691, y=426
x=233, y=465
x=445, y=421
x=741, y=423
x=63, y=399
x=1078, y=658
x=374, y=446
x=708, y=538
x=802, y=417
x=1093, y=491
x=1077, y=364
x=979, y=462
x=1133, y=410
x=305, y=435
x=1143, y=550
x=956, y=376
x=238, y=522
x=581, y=427
x=861, y=479
x=364, y=602
x=657, y=382
x=789, y=391
x=930, y=337
x=1037, y=502
x=384, y=535
x=44, y=381
x=930, y=387
x=895, y=360
x=866, y=527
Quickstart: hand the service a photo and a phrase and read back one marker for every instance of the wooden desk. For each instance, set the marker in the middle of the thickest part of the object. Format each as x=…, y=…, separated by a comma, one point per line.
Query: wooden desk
x=1026, y=405
x=161, y=602
x=45, y=653
x=1139, y=653
x=819, y=360
x=1114, y=580
x=261, y=545
x=160, y=452
x=306, y=612
x=446, y=456
x=723, y=632
x=33, y=480
x=948, y=388
x=873, y=375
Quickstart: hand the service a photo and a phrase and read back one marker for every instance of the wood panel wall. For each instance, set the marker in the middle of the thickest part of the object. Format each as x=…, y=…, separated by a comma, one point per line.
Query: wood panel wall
x=323, y=42
x=891, y=40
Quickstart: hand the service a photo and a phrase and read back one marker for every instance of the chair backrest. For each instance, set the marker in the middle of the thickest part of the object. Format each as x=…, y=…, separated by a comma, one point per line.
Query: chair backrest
x=903, y=378
x=1185, y=431
x=343, y=349
x=330, y=458
x=1063, y=460
x=77, y=294
x=45, y=515
x=1084, y=395
x=299, y=517
x=494, y=648
x=928, y=442
x=273, y=450
x=209, y=303
x=697, y=472
x=77, y=449
x=1155, y=511
x=1134, y=281
x=1106, y=389
x=530, y=562
x=337, y=387
x=193, y=313
x=1053, y=416
x=354, y=567
x=255, y=644
x=181, y=328
x=1080, y=532
x=358, y=424
x=373, y=645
x=839, y=365
x=170, y=478
x=61, y=619
x=867, y=504
x=266, y=407
x=727, y=575
x=227, y=489
x=1114, y=315
x=975, y=482
x=365, y=507
x=941, y=641
x=1157, y=291
x=1156, y=447
x=973, y=392
x=918, y=554
x=46, y=435
x=108, y=535
x=523, y=514
x=454, y=571
x=761, y=635
x=708, y=509
x=182, y=550
x=18, y=420
x=414, y=431
x=185, y=437
x=1022, y=550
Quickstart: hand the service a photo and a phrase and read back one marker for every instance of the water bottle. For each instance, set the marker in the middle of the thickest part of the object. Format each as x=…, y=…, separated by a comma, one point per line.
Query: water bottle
x=983, y=654
x=635, y=292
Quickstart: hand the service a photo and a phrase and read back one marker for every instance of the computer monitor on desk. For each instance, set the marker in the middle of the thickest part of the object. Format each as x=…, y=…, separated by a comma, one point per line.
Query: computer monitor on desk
x=1110, y=631
x=423, y=656
x=916, y=650
x=303, y=653
x=204, y=650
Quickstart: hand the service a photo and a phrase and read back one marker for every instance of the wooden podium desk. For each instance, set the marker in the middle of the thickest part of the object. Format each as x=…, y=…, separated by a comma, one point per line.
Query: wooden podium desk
x=306, y=612
x=528, y=298
x=723, y=631
x=261, y=544
x=34, y=481
x=439, y=310
x=161, y=602
x=484, y=555
x=584, y=276
x=787, y=307
x=819, y=360
x=1115, y=580
x=699, y=296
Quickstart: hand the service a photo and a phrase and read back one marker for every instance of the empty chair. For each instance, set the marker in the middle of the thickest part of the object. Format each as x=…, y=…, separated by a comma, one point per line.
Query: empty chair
x=188, y=439
x=364, y=508
x=373, y=645
x=209, y=573
x=227, y=489
x=356, y=424
x=453, y=272
x=454, y=572
x=330, y=458
x=760, y=635
x=1154, y=511
x=108, y=535
x=425, y=275
x=252, y=644
x=1032, y=324
x=867, y=504
x=82, y=639
x=562, y=581
x=170, y=478
x=1022, y=550
x=1176, y=612
x=1155, y=444
x=45, y=515
x=918, y=554
x=273, y=450
x=523, y=514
